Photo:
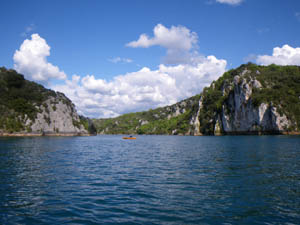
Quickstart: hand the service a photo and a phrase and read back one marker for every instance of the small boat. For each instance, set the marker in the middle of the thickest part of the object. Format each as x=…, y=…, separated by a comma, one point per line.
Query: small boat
x=129, y=138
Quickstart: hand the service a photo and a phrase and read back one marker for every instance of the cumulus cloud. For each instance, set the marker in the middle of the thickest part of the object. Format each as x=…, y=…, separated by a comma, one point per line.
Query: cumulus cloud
x=31, y=60
x=120, y=60
x=174, y=38
x=178, y=41
x=143, y=89
x=130, y=92
x=230, y=2
x=146, y=88
x=286, y=55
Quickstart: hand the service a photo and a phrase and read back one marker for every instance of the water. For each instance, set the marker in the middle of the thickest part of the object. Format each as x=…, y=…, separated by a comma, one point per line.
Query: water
x=151, y=180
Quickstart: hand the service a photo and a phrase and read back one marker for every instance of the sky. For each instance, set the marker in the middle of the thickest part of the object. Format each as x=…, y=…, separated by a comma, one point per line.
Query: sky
x=115, y=57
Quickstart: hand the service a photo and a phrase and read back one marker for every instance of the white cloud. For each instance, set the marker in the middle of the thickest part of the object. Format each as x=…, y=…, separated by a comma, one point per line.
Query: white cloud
x=178, y=40
x=286, y=55
x=31, y=60
x=130, y=92
x=174, y=38
x=120, y=60
x=230, y=2
x=143, y=89
x=148, y=88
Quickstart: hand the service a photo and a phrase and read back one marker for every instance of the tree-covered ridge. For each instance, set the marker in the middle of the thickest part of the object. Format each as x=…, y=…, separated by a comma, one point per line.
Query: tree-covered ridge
x=280, y=87
x=21, y=101
x=21, y=95
x=19, y=98
x=162, y=120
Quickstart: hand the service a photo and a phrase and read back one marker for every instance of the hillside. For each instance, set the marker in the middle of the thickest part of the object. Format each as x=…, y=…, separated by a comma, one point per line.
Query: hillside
x=172, y=119
x=251, y=99
x=27, y=108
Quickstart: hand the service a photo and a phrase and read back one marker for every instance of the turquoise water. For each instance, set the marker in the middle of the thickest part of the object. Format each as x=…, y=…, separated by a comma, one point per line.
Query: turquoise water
x=151, y=180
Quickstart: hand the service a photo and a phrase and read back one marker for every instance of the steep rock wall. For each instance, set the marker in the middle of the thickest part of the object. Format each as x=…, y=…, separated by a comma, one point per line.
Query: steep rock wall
x=57, y=116
x=238, y=113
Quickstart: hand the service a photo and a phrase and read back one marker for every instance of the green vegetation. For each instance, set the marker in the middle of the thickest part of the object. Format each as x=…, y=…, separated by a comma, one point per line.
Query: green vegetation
x=174, y=125
x=19, y=98
x=76, y=123
x=213, y=100
x=88, y=125
x=157, y=121
x=280, y=87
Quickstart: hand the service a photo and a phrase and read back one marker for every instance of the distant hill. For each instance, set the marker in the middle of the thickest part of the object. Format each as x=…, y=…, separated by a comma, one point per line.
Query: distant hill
x=251, y=99
x=174, y=119
x=27, y=108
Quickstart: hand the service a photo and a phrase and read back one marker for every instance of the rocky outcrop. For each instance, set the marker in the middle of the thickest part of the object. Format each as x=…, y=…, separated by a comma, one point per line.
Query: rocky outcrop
x=57, y=115
x=27, y=108
x=194, y=121
x=239, y=115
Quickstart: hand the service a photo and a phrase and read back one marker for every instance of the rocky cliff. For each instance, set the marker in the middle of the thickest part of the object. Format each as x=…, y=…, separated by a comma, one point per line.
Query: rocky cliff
x=239, y=114
x=57, y=115
x=251, y=99
x=27, y=108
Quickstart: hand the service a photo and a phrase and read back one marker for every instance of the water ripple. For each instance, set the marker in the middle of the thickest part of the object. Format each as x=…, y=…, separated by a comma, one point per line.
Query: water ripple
x=152, y=180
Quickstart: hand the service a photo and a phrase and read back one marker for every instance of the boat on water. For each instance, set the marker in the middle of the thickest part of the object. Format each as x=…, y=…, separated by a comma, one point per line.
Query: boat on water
x=129, y=138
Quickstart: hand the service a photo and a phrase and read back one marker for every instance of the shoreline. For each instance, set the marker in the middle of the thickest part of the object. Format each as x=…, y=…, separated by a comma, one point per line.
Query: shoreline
x=293, y=133
x=43, y=135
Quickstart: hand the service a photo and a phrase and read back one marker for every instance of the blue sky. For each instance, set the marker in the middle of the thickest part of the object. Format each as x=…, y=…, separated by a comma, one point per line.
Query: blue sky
x=91, y=39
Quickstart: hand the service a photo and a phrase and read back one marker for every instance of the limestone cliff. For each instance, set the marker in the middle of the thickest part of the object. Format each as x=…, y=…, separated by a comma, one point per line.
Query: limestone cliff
x=239, y=115
x=27, y=108
x=252, y=100
x=57, y=115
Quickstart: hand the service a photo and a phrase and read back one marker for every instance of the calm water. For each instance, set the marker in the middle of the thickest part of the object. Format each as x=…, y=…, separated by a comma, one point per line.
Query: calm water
x=151, y=180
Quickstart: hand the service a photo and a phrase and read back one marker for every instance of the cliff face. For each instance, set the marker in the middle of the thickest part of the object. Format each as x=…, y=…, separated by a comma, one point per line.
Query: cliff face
x=252, y=100
x=248, y=100
x=239, y=115
x=57, y=115
x=194, y=121
x=27, y=108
